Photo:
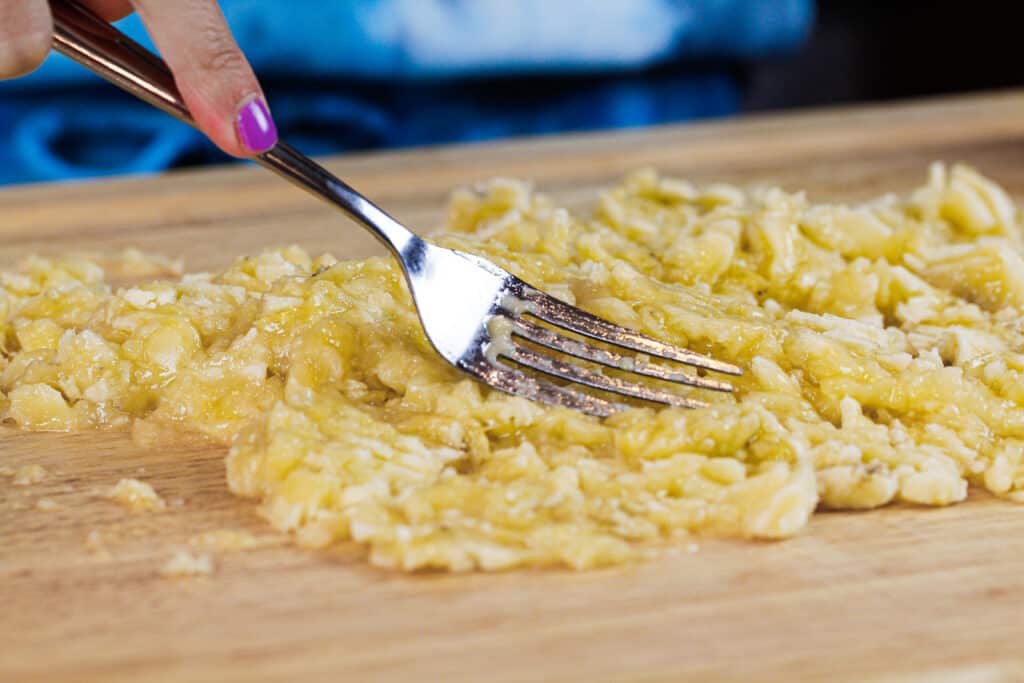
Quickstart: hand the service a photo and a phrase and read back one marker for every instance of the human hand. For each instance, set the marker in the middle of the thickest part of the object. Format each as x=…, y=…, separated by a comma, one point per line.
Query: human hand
x=213, y=75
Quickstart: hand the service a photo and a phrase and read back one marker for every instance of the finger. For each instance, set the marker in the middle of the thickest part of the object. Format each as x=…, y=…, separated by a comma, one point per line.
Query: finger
x=26, y=33
x=110, y=10
x=213, y=76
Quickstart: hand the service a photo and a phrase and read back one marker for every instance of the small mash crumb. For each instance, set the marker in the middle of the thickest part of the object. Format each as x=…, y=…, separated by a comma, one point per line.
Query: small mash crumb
x=96, y=546
x=185, y=564
x=26, y=475
x=47, y=504
x=136, y=495
x=93, y=541
x=224, y=539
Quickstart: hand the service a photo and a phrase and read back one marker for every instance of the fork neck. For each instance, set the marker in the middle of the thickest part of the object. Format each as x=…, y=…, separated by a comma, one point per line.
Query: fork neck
x=315, y=179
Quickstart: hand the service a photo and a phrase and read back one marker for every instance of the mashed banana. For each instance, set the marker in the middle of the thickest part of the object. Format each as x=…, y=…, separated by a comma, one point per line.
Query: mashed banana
x=27, y=475
x=882, y=344
x=185, y=564
x=136, y=495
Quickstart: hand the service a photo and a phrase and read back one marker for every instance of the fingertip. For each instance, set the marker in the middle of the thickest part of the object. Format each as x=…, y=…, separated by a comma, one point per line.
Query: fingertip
x=243, y=130
x=26, y=35
x=21, y=55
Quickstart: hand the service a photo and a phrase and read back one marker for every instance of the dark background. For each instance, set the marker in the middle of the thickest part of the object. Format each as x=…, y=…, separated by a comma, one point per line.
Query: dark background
x=871, y=51
x=855, y=52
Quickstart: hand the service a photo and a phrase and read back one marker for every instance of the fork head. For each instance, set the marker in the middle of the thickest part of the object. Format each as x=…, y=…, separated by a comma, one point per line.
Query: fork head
x=488, y=323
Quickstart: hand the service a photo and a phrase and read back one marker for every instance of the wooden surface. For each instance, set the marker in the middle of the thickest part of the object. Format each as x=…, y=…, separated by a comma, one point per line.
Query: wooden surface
x=895, y=595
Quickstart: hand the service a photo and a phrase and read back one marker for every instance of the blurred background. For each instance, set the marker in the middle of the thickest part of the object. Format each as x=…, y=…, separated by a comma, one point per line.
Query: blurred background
x=346, y=75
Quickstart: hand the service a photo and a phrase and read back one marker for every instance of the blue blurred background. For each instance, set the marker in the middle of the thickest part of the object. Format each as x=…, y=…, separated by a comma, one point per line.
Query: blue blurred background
x=363, y=74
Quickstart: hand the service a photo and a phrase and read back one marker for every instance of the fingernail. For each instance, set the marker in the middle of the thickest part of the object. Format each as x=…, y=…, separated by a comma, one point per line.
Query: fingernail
x=256, y=130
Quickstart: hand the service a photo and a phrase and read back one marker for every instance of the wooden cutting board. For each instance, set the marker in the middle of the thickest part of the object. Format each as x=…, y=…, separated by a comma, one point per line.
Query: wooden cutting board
x=894, y=595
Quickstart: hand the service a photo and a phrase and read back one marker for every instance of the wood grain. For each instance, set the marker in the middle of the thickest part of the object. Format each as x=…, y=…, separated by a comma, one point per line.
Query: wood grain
x=902, y=594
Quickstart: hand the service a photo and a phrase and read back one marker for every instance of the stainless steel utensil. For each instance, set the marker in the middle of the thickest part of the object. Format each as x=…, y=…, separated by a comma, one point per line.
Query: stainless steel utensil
x=478, y=316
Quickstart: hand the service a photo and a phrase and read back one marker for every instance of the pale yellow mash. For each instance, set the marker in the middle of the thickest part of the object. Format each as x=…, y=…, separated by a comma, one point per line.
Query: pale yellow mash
x=136, y=495
x=882, y=344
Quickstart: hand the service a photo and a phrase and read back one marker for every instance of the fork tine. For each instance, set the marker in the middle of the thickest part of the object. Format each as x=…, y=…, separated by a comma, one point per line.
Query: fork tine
x=559, y=313
x=541, y=335
x=593, y=378
x=516, y=382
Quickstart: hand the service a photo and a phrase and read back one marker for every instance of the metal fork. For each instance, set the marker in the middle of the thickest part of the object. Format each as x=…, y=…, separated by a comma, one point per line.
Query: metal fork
x=474, y=313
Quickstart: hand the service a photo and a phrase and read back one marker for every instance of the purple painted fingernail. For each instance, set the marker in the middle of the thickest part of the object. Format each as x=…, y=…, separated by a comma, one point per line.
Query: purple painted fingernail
x=256, y=129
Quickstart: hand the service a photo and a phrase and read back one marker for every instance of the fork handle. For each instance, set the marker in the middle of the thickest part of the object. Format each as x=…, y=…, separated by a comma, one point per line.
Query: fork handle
x=85, y=38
